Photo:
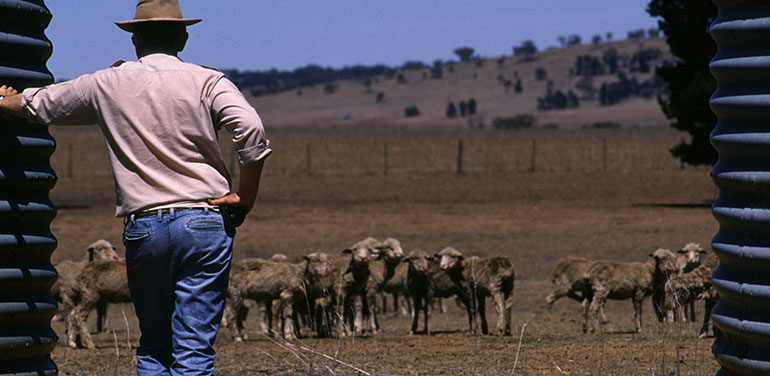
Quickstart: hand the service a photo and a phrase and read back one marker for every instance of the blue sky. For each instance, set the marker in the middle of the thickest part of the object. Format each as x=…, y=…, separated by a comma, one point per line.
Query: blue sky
x=286, y=34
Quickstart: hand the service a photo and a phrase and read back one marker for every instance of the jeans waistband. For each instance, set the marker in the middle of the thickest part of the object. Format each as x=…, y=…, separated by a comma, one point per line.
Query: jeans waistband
x=160, y=212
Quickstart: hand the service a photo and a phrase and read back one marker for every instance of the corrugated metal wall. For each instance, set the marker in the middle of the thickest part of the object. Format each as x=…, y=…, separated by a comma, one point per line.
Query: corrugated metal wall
x=742, y=138
x=26, y=177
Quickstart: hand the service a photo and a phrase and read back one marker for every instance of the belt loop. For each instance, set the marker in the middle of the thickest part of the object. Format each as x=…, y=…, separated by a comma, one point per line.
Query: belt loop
x=160, y=215
x=171, y=213
x=205, y=211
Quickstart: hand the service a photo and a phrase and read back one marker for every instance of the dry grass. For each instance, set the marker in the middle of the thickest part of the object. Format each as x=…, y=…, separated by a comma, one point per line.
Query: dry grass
x=315, y=108
x=571, y=204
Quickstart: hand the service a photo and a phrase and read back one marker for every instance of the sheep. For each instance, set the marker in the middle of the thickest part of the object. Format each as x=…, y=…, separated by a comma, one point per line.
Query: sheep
x=478, y=278
x=346, y=285
x=103, y=281
x=567, y=280
x=387, y=257
x=687, y=287
x=625, y=280
x=689, y=257
x=65, y=290
x=419, y=287
x=265, y=281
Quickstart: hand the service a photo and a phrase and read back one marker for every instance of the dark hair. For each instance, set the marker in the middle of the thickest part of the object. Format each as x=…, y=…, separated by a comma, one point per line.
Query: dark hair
x=160, y=35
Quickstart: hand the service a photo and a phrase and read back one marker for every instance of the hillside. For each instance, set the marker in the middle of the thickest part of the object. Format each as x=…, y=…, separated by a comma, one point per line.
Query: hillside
x=352, y=104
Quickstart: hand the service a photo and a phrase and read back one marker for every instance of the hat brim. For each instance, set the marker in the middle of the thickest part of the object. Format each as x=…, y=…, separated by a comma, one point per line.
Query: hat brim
x=129, y=25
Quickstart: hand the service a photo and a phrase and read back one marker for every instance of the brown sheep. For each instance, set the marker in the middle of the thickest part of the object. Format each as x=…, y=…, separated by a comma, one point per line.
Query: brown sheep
x=265, y=281
x=690, y=257
x=419, y=287
x=625, y=280
x=386, y=258
x=478, y=278
x=567, y=280
x=65, y=289
x=685, y=288
x=99, y=282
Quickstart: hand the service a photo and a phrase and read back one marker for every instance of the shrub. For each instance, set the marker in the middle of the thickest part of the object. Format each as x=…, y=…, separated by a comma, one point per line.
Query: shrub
x=551, y=126
x=604, y=125
x=411, y=111
x=522, y=121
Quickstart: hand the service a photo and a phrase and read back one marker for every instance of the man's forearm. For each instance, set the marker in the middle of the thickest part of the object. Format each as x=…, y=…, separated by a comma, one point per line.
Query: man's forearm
x=248, y=183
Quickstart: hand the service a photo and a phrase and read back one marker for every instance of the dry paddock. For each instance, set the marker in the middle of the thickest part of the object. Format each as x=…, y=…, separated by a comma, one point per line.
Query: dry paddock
x=531, y=196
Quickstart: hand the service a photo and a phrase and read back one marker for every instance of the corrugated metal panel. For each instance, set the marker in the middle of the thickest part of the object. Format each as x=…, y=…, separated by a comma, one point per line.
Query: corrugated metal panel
x=742, y=173
x=26, y=177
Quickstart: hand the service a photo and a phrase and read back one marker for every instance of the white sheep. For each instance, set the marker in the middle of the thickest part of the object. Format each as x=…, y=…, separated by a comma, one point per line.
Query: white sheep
x=65, y=289
x=685, y=288
x=625, y=280
x=478, y=278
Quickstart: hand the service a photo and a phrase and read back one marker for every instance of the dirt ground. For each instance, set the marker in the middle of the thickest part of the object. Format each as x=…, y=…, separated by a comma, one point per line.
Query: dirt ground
x=531, y=217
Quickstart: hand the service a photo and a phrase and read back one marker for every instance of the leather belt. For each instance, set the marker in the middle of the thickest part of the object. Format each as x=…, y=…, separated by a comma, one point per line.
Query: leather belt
x=165, y=211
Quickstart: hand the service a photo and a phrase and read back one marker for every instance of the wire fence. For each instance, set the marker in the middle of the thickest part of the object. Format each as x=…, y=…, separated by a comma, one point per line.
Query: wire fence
x=81, y=153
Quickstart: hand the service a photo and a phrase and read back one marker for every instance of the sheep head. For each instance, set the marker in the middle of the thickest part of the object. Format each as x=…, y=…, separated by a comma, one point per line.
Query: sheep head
x=317, y=265
x=692, y=253
x=361, y=252
x=418, y=261
x=450, y=258
x=102, y=250
x=665, y=263
x=390, y=251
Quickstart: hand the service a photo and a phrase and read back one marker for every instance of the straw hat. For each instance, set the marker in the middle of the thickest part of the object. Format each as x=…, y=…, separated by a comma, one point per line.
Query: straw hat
x=156, y=10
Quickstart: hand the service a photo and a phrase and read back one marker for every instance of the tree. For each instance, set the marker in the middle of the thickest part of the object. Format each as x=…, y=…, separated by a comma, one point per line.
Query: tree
x=464, y=53
x=526, y=50
x=685, y=24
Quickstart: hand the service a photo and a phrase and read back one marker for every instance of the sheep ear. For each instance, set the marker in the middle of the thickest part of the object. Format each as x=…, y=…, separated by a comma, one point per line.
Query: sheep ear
x=406, y=259
x=681, y=251
x=460, y=257
x=347, y=251
x=650, y=255
x=307, y=258
x=430, y=258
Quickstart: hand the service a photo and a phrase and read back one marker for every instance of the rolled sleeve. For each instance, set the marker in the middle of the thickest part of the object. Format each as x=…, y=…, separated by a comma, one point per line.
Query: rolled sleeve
x=236, y=115
x=62, y=104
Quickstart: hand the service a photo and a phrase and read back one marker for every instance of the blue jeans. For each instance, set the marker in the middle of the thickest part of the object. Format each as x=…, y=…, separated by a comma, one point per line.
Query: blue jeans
x=178, y=269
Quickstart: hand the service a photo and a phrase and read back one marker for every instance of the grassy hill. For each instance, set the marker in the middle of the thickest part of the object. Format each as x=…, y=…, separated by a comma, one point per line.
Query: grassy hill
x=353, y=104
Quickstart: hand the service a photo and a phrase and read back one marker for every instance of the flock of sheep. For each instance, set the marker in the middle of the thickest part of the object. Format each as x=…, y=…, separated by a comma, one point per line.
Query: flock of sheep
x=341, y=295
x=675, y=282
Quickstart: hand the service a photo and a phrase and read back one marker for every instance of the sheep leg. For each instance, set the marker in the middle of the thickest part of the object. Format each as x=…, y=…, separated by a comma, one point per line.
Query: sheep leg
x=426, y=313
x=481, y=304
x=637, y=300
x=234, y=302
x=708, y=305
x=80, y=315
x=508, y=311
x=287, y=314
x=597, y=303
x=500, y=310
x=267, y=318
x=464, y=299
x=358, y=310
x=691, y=308
x=101, y=316
x=415, y=312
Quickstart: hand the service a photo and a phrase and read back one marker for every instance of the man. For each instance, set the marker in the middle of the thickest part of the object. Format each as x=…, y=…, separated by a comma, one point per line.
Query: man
x=160, y=118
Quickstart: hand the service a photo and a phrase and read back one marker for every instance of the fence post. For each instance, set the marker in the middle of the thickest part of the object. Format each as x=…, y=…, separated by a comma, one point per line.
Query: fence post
x=459, y=157
x=385, y=159
x=604, y=154
x=534, y=153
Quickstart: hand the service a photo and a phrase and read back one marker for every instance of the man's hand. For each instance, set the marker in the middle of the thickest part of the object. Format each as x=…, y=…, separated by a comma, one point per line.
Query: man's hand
x=7, y=91
x=231, y=199
x=11, y=103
